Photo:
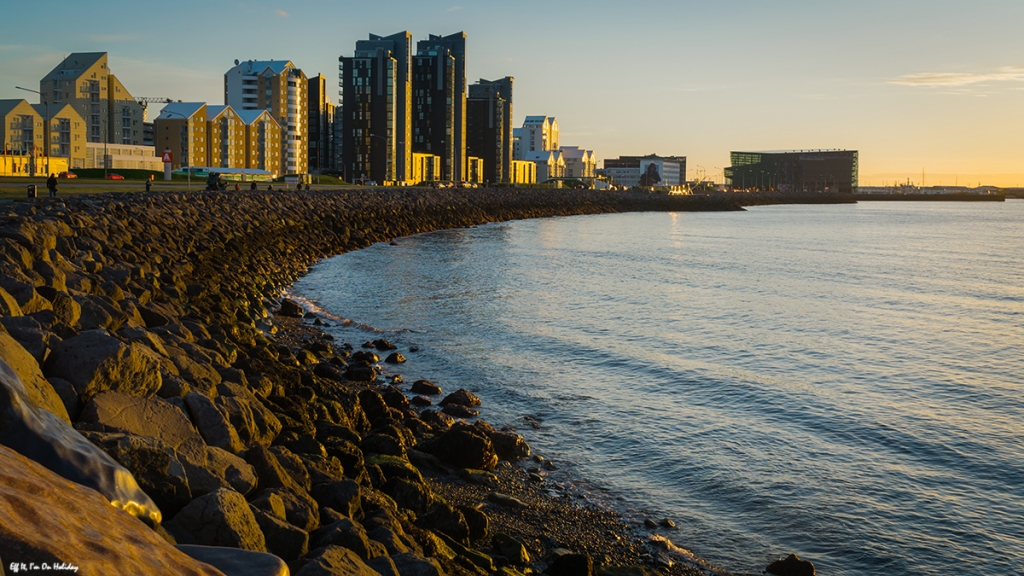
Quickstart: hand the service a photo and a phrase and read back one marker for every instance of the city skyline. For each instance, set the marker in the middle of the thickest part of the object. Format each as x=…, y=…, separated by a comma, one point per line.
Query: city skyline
x=914, y=86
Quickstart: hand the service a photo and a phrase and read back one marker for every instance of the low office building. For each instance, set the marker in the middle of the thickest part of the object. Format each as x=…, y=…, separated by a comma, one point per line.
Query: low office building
x=122, y=157
x=475, y=170
x=522, y=172
x=794, y=170
x=425, y=167
x=647, y=171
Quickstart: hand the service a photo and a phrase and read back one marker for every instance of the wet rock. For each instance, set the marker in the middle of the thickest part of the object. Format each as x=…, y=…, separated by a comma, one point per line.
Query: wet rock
x=509, y=446
x=791, y=565
x=220, y=518
x=361, y=373
x=336, y=561
x=291, y=308
x=420, y=401
x=649, y=523
x=234, y=562
x=382, y=444
x=506, y=500
x=384, y=345
x=464, y=447
x=437, y=419
x=54, y=444
x=36, y=504
x=300, y=509
x=94, y=362
x=571, y=565
x=395, y=358
x=461, y=397
x=668, y=523
x=425, y=387
x=460, y=411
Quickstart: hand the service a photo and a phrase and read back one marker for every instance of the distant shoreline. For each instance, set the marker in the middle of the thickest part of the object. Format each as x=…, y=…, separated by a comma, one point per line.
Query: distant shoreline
x=930, y=197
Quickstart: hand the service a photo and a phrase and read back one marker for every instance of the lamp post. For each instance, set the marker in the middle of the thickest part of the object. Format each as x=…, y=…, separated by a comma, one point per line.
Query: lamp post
x=188, y=168
x=46, y=125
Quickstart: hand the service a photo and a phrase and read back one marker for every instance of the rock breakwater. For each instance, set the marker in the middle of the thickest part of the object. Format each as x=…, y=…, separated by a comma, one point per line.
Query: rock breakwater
x=146, y=322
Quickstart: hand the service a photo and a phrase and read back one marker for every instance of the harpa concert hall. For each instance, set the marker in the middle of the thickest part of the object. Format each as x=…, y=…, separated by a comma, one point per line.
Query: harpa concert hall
x=794, y=170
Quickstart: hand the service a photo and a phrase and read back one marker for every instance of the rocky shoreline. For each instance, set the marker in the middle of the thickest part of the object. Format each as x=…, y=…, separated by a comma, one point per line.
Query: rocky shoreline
x=142, y=358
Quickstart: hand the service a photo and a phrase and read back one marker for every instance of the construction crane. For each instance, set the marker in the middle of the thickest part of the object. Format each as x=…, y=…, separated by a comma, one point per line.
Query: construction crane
x=145, y=101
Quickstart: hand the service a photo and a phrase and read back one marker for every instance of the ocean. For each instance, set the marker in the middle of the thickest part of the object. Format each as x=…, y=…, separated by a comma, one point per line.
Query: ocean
x=839, y=381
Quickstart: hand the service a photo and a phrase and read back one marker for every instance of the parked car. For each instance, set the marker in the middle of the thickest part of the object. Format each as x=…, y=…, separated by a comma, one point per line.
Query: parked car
x=67, y=175
x=113, y=176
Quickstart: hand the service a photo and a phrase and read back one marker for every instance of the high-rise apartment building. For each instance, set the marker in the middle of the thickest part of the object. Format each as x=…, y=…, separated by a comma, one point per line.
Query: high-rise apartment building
x=433, y=112
x=538, y=134
x=455, y=46
x=109, y=111
x=280, y=88
x=321, y=126
x=376, y=109
x=489, y=127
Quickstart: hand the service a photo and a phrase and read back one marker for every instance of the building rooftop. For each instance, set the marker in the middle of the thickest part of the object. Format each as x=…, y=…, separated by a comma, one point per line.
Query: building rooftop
x=791, y=151
x=253, y=67
x=178, y=109
x=214, y=111
x=250, y=116
x=73, y=66
x=7, y=105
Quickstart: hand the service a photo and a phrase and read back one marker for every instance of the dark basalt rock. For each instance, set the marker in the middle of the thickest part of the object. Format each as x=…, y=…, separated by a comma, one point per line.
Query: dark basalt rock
x=220, y=518
x=792, y=565
x=461, y=397
x=571, y=565
x=291, y=308
x=384, y=345
x=464, y=447
x=460, y=411
x=425, y=387
x=395, y=358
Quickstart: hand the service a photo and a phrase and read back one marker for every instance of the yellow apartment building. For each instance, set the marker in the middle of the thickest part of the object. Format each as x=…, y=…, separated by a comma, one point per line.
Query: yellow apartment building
x=84, y=81
x=282, y=89
x=181, y=128
x=225, y=133
x=262, y=141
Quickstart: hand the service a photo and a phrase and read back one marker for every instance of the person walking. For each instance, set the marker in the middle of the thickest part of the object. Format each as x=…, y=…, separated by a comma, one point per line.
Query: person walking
x=253, y=185
x=51, y=185
x=149, y=183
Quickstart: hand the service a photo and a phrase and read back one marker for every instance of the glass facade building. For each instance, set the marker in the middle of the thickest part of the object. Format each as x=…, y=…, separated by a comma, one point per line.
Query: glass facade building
x=794, y=171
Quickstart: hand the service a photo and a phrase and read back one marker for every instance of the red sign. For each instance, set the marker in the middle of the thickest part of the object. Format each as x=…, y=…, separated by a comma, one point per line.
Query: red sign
x=168, y=157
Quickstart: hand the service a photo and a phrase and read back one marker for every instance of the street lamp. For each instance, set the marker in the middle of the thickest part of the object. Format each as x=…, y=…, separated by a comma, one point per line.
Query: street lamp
x=188, y=168
x=46, y=125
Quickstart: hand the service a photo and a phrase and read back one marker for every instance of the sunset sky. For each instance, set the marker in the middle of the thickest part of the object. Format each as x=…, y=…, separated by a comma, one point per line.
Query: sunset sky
x=913, y=85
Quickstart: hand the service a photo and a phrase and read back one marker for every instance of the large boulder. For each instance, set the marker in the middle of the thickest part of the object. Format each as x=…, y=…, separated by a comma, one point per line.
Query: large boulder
x=235, y=562
x=40, y=392
x=342, y=496
x=413, y=565
x=213, y=424
x=95, y=361
x=46, y=518
x=336, y=561
x=207, y=467
x=220, y=518
x=347, y=534
x=284, y=540
x=571, y=565
x=465, y=447
x=791, y=565
x=253, y=421
x=42, y=436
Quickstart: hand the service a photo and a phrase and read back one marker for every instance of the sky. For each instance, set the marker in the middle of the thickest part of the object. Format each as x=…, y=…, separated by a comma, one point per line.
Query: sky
x=916, y=86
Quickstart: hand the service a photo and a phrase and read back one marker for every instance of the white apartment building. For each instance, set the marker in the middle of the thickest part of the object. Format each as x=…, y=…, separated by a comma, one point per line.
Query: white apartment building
x=282, y=89
x=579, y=163
x=538, y=134
x=550, y=164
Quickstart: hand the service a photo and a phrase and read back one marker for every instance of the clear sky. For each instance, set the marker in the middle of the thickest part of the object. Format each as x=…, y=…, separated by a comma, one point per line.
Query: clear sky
x=933, y=85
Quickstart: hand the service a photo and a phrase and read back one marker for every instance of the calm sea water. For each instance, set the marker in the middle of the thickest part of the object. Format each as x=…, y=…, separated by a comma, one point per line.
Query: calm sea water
x=844, y=382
